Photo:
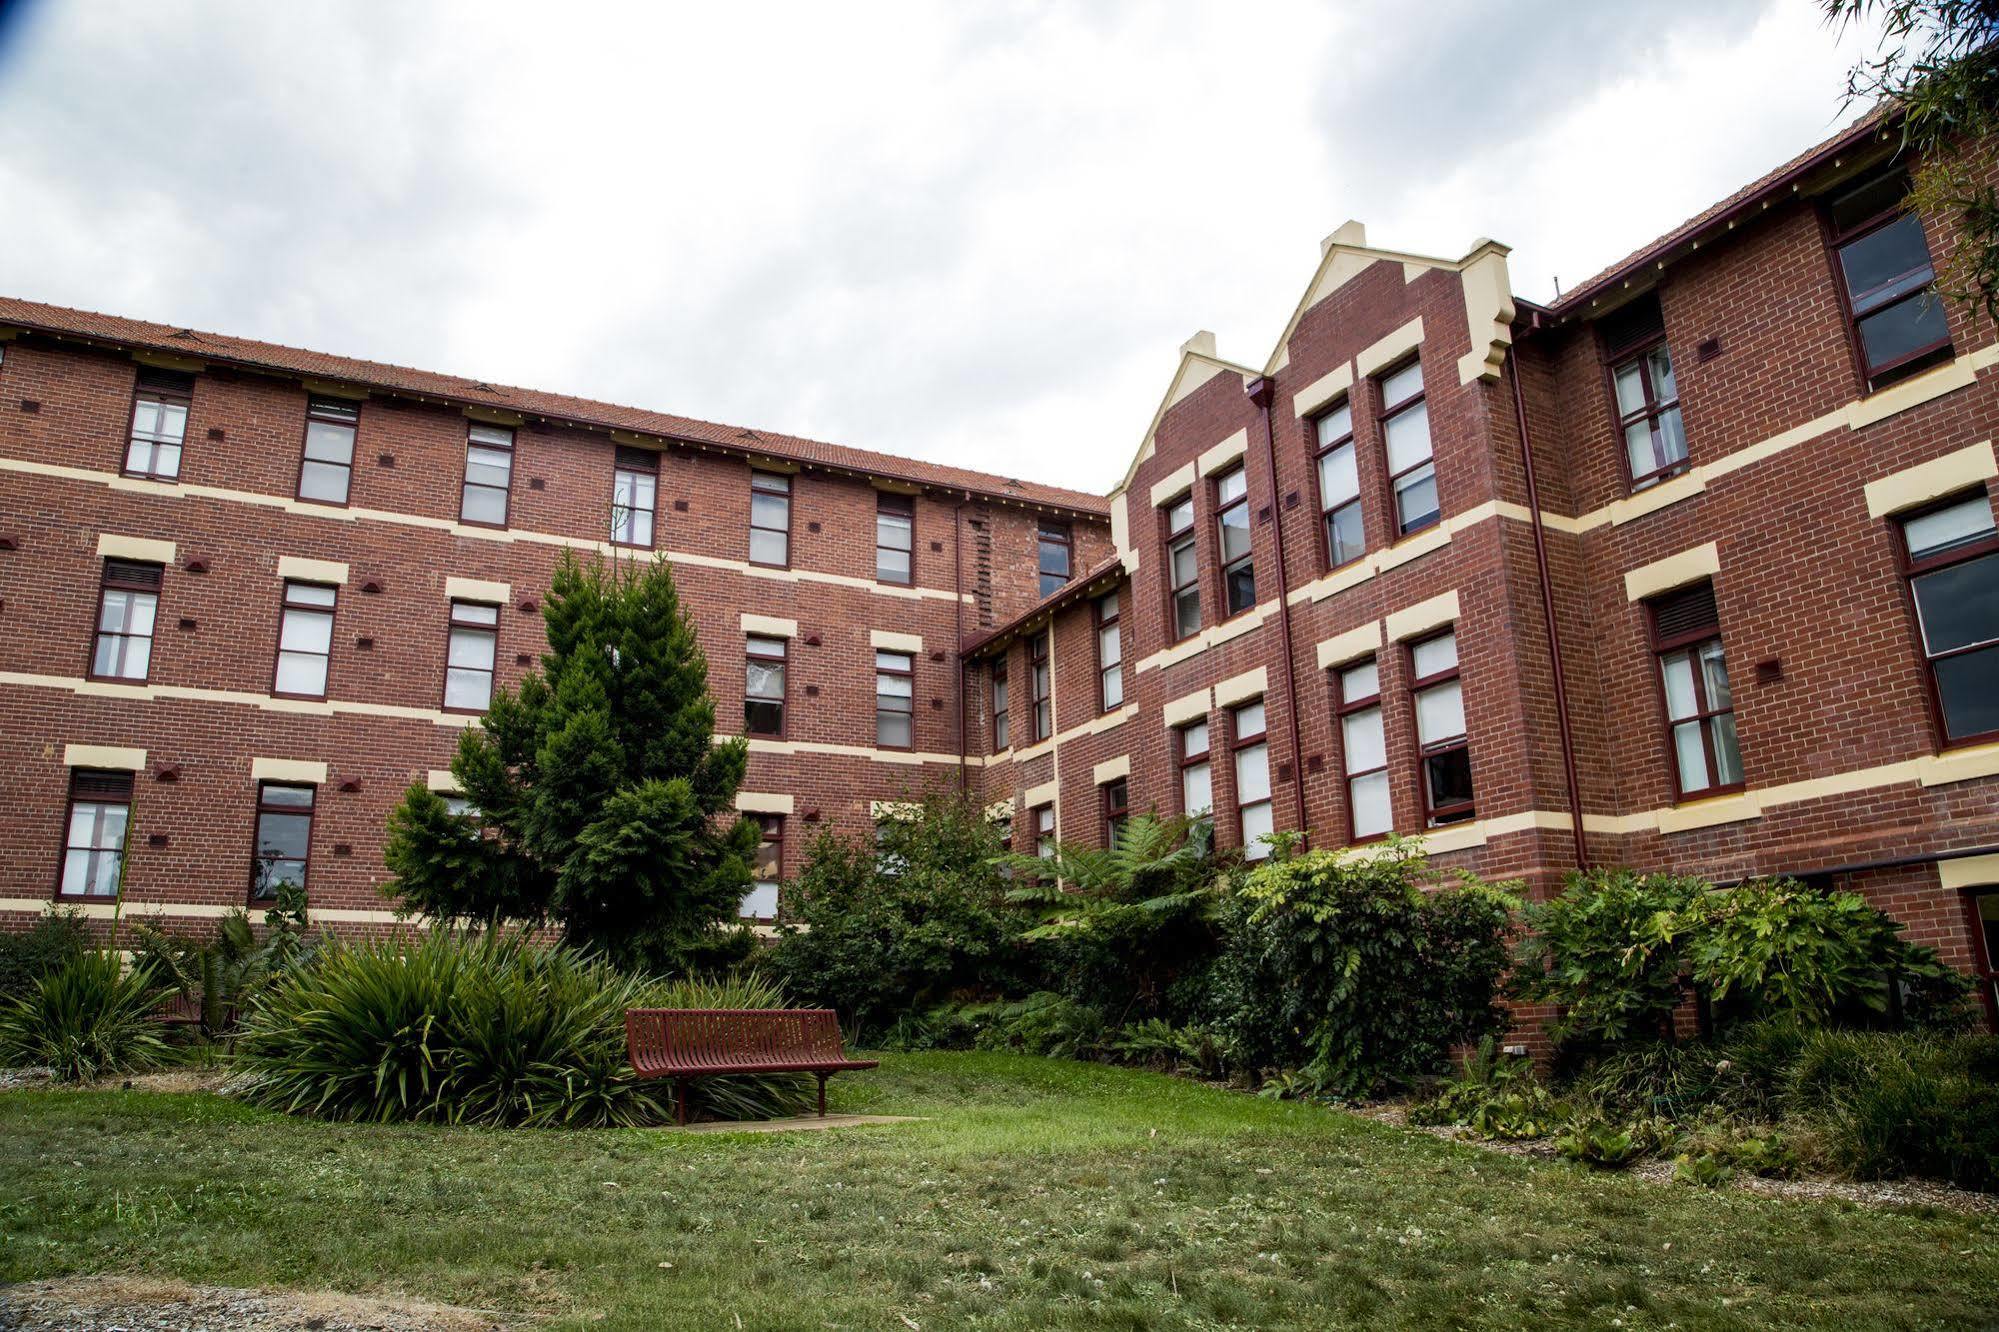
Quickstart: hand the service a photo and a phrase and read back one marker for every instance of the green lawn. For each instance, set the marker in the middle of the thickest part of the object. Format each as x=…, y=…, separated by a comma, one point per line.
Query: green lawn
x=1039, y=1194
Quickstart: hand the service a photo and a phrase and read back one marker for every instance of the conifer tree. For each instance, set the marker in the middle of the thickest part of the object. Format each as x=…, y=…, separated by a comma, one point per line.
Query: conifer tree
x=601, y=803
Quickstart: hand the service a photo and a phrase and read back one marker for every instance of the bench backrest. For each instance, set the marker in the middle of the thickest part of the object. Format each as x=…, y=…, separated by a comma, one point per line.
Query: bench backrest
x=664, y=1040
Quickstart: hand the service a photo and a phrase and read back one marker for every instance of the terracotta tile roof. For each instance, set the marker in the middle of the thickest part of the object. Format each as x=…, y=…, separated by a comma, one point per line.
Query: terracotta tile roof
x=221, y=349
x=1659, y=250
x=1072, y=591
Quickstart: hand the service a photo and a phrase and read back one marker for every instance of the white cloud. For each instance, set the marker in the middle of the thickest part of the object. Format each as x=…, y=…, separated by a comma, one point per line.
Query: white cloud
x=975, y=237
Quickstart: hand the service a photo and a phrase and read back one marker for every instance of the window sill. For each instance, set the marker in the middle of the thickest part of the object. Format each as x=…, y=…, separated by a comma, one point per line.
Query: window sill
x=1710, y=812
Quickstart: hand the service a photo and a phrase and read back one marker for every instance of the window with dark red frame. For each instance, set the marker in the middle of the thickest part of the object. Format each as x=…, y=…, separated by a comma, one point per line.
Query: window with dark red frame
x=1232, y=541
x=469, y=655
x=305, y=639
x=634, y=497
x=1117, y=811
x=1044, y=831
x=1405, y=438
x=160, y=401
x=128, y=604
x=895, y=700
x=1041, y=681
x=327, y=468
x=94, y=831
x=763, y=686
x=1887, y=280
x=1646, y=394
x=1110, y=655
x=1444, y=750
x=1251, y=751
x=1985, y=906
x=1339, y=486
x=1183, y=569
x=1693, y=679
x=1197, y=786
x=1053, y=555
x=770, y=519
x=1001, y=735
x=1363, y=750
x=489, y=475
x=284, y=839
x=1950, y=558
x=895, y=538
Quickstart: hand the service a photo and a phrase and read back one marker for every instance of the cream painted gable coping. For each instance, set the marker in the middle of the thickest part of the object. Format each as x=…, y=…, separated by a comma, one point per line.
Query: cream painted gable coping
x=442, y=781
x=111, y=546
x=501, y=536
x=1241, y=688
x=1689, y=566
x=1320, y=393
x=1207, y=638
x=287, y=770
x=1173, y=485
x=1423, y=616
x=477, y=589
x=769, y=625
x=895, y=642
x=1036, y=796
x=1110, y=770
x=114, y=757
x=1387, y=351
x=1225, y=453
x=1350, y=646
x=312, y=571
x=1121, y=530
x=1489, y=312
x=1931, y=480
x=1190, y=707
x=762, y=802
x=1968, y=872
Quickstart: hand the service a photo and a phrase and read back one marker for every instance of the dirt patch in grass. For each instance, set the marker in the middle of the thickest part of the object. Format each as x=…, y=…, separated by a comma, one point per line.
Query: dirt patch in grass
x=137, y=1304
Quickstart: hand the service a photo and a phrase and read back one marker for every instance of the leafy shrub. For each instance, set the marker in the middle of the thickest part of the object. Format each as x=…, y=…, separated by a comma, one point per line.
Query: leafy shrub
x=1601, y=1145
x=1714, y=1154
x=1348, y=970
x=1045, y=1023
x=1592, y=951
x=222, y=973
x=1157, y=1044
x=1896, y=1104
x=1497, y=1096
x=57, y=936
x=486, y=1029
x=89, y=1018
x=877, y=931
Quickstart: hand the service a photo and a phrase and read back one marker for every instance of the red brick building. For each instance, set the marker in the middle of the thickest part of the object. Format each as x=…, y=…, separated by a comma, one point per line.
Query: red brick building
x=1694, y=569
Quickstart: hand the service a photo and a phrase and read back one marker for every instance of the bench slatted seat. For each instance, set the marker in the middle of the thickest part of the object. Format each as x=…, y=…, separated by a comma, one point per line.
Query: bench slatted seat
x=688, y=1043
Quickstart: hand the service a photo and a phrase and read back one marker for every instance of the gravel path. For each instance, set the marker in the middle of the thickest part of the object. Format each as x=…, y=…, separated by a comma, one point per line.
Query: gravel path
x=135, y=1304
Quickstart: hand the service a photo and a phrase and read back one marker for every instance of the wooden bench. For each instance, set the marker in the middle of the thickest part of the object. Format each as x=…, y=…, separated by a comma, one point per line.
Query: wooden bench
x=689, y=1043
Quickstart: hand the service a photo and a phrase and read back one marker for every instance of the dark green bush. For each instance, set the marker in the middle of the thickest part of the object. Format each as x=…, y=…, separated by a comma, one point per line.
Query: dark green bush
x=57, y=935
x=1349, y=971
x=1902, y=1104
x=1045, y=1023
x=918, y=917
x=89, y=1018
x=1592, y=951
x=1496, y=1096
x=478, y=1029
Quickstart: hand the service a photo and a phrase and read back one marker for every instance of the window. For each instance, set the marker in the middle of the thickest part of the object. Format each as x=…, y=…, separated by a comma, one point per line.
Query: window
x=93, y=850
x=1110, y=655
x=468, y=667
x=1988, y=952
x=1040, y=678
x=760, y=902
x=1643, y=387
x=1339, y=487
x=1405, y=435
x=128, y=603
x=1951, y=559
x=159, y=424
x=1232, y=535
x=895, y=700
x=1001, y=737
x=1887, y=281
x=1053, y=549
x=1197, y=792
x=763, y=688
x=634, y=497
x=1440, y=730
x=770, y=519
x=1044, y=831
x=1363, y=750
x=1117, y=811
x=489, y=471
x=1183, y=568
x=328, y=466
x=305, y=640
x=1700, y=716
x=1252, y=778
x=284, y=838
x=895, y=538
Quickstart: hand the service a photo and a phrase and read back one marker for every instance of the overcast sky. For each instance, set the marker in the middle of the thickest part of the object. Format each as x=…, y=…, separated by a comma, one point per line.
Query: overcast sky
x=976, y=234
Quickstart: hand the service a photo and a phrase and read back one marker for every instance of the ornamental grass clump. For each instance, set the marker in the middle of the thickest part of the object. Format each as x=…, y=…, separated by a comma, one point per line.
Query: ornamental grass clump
x=88, y=1018
x=485, y=1029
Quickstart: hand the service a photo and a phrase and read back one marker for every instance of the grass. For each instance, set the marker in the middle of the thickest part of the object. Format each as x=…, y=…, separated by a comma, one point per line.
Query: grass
x=1038, y=1194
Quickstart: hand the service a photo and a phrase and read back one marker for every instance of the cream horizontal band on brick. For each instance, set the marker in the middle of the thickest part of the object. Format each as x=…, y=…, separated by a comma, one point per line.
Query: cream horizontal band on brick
x=112, y=546
x=144, y=910
x=1224, y=454
x=763, y=802
x=770, y=626
x=1110, y=770
x=1319, y=394
x=312, y=571
x=441, y=781
x=1212, y=636
x=1968, y=872
x=288, y=770
x=477, y=589
x=1932, y=480
x=1173, y=485
x=151, y=693
x=890, y=641
x=119, y=758
x=1240, y=688
x=1689, y=566
x=1036, y=796
x=1438, y=611
x=1385, y=352
x=1352, y=645
x=1190, y=707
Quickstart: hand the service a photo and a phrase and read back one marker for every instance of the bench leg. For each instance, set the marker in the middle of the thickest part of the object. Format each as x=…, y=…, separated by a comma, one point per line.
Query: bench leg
x=822, y=1095
x=680, y=1090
